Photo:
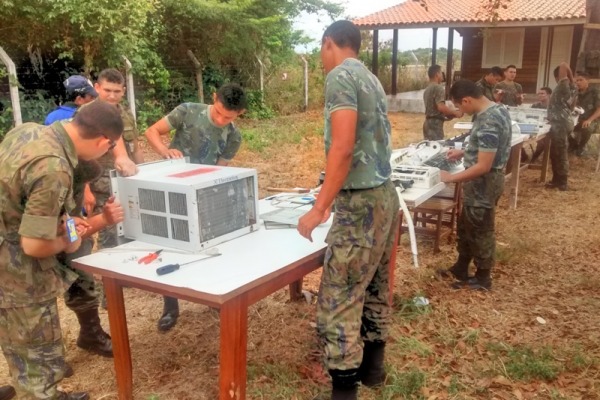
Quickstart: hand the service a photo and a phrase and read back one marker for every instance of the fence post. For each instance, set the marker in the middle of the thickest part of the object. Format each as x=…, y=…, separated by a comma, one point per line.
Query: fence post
x=13, y=84
x=130, y=90
x=305, y=83
x=198, y=68
x=262, y=80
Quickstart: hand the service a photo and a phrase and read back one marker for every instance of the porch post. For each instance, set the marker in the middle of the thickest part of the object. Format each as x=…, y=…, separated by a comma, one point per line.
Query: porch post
x=395, y=63
x=449, y=59
x=434, y=47
x=375, y=64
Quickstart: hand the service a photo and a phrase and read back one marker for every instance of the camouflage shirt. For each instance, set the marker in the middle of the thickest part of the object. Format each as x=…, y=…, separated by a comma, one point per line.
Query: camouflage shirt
x=539, y=105
x=510, y=92
x=130, y=133
x=589, y=100
x=433, y=95
x=36, y=176
x=491, y=132
x=561, y=103
x=486, y=88
x=198, y=138
x=351, y=86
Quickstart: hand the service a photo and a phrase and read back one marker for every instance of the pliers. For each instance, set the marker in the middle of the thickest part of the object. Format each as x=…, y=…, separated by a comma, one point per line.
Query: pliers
x=149, y=258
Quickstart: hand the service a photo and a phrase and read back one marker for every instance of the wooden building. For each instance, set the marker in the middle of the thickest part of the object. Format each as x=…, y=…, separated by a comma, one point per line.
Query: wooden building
x=534, y=35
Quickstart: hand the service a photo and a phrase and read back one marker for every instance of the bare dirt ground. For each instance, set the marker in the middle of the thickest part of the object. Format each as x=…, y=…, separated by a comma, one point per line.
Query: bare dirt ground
x=535, y=336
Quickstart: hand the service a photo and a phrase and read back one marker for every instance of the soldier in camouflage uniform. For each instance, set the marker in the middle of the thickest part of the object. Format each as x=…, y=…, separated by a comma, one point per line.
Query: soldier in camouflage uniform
x=111, y=88
x=561, y=124
x=485, y=157
x=542, y=103
x=436, y=110
x=488, y=82
x=206, y=134
x=508, y=91
x=353, y=308
x=588, y=98
x=36, y=196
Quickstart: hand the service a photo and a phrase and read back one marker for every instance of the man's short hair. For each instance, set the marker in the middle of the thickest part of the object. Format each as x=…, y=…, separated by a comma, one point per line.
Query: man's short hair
x=547, y=90
x=433, y=70
x=496, y=71
x=583, y=74
x=99, y=118
x=344, y=34
x=465, y=88
x=510, y=66
x=111, y=75
x=556, y=72
x=233, y=97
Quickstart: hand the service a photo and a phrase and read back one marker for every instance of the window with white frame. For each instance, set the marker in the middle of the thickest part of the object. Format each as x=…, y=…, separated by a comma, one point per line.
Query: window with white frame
x=502, y=47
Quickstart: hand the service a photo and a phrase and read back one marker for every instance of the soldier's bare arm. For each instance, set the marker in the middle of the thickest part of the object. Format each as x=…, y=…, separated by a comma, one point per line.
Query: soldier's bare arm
x=123, y=163
x=485, y=160
x=153, y=135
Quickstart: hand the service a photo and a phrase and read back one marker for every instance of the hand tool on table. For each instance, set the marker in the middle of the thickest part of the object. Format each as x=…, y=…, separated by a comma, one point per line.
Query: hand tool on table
x=167, y=269
x=150, y=257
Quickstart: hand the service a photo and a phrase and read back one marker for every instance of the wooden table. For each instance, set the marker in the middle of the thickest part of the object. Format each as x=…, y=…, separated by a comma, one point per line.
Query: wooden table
x=250, y=268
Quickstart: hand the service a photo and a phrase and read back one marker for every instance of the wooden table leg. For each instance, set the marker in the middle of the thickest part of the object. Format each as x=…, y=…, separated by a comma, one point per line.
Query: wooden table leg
x=120, y=337
x=392, y=264
x=515, y=169
x=296, y=290
x=545, y=159
x=234, y=343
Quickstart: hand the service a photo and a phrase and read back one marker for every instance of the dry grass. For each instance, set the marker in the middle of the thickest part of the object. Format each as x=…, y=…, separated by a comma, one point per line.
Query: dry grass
x=463, y=346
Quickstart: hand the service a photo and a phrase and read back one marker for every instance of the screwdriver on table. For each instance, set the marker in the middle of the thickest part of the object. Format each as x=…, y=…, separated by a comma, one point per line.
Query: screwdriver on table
x=167, y=269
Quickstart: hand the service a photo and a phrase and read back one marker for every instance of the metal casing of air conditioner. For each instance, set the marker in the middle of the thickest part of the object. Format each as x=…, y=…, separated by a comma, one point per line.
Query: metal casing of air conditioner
x=187, y=206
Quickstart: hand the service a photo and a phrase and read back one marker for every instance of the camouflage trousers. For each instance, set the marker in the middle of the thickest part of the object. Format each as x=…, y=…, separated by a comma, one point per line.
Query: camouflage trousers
x=559, y=157
x=82, y=295
x=107, y=237
x=476, y=224
x=32, y=344
x=580, y=138
x=433, y=129
x=353, y=304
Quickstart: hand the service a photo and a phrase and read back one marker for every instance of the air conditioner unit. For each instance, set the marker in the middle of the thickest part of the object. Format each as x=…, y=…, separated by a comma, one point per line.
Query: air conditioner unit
x=187, y=206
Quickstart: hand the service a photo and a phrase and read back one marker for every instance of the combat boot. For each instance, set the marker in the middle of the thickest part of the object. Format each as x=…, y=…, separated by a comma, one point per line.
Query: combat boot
x=169, y=315
x=91, y=335
x=371, y=371
x=72, y=396
x=481, y=281
x=459, y=271
x=7, y=392
x=345, y=384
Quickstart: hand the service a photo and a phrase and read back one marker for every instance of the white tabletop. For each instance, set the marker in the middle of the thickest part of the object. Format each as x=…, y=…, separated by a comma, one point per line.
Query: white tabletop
x=414, y=197
x=243, y=260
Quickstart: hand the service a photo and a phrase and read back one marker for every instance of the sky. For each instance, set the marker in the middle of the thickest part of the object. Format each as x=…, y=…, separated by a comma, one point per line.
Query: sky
x=408, y=39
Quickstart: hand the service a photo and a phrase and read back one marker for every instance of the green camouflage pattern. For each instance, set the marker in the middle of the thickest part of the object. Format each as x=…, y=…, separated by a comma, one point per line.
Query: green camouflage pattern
x=476, y=229
x=559, y=151
x=108, y=237
x=353, y=303
x=197, y=137
x=491, y=132
x=433, y=129
x=36, y=164
x=589, y=100
x=510, y=92
x=432, y=96
x=539, y=105
x=486, y=89
x=561, y=104
x=351, y=86
x=31, y=341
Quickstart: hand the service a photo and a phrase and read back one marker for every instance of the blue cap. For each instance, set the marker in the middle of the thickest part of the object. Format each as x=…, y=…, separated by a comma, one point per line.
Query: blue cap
x=79, y=85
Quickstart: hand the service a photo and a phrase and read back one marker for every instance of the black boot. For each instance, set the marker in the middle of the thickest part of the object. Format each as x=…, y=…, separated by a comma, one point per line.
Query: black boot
x=91, y=335
x=345, y=384
x=169, y=315
x=73, y=396
x=481, y=281
x=371, y=371
x=459, y=271
x=7, y=392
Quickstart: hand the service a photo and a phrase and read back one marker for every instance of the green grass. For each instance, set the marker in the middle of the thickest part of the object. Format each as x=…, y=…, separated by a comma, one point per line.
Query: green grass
x=406, y=309
x=524, y=363
x=278, y=382
x=406, y=345
x=471, y=337
x=270, y=135
x=404, y=384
